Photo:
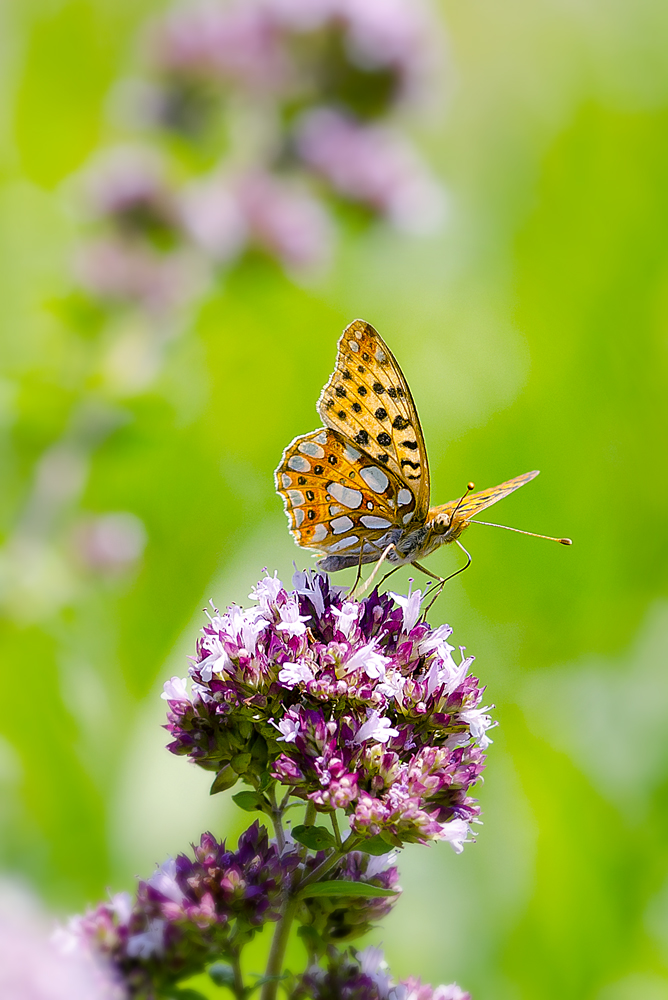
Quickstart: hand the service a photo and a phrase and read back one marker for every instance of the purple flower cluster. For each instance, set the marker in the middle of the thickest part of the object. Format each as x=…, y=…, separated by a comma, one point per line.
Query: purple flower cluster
x=363, y=56
x=189, y=911
x=294, y=106
x=352, y=705
x=364, y=976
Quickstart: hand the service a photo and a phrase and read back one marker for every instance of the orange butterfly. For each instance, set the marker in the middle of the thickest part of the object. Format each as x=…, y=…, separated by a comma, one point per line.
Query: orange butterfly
x=357, y=490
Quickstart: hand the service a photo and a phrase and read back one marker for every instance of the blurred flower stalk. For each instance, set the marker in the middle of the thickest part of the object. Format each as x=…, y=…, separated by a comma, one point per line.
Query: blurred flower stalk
x=252, y=128
x=356, y=714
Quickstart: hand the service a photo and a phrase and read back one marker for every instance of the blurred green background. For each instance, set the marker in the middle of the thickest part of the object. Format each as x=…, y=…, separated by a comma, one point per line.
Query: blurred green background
x=534, y=333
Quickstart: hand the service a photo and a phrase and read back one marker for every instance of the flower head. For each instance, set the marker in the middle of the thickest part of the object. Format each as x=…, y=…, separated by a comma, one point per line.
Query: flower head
x=349, y=704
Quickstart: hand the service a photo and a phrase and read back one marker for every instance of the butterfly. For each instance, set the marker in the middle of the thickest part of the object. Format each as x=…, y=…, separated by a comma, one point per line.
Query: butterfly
x=357, y=490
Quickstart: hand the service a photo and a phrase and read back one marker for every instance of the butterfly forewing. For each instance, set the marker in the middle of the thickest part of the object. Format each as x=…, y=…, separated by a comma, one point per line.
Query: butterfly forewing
x=475, y=502
x=337, y=499
x=368, y=402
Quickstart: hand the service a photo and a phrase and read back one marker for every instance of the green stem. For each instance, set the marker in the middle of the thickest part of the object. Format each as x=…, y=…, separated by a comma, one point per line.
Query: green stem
x=309, y=815
x=277, y=819
x=277, y=953
x=325, y=866
x=337, y=832
x=239, y=988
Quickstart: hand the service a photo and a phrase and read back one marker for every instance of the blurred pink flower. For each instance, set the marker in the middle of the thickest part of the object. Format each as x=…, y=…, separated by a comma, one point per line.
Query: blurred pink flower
x=124, y=270
x=372, y=164
x=110, y=542
x=129, y=183
x=398, y=33
x=236, y=43
x=212, y=217
x=34, y=965
x=285, y=220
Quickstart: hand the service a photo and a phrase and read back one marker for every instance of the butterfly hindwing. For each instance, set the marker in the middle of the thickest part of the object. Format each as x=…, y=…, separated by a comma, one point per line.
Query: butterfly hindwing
x=367, y=400
x=337, y=499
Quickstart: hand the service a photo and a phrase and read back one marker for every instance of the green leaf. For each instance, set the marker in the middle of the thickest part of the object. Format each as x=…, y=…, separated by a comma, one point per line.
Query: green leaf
x=240, y=762
x=318, y=838
x=265, y=781
x=224, y=779
x=248, y=801
x=339, y=887
x=222, y=974
x=375, y=845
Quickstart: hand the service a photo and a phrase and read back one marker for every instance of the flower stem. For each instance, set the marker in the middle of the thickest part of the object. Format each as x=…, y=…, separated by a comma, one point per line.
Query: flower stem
x=349, y=843
x=337, y=832
x=277, y=953
x=239, y=988
x=277, y=819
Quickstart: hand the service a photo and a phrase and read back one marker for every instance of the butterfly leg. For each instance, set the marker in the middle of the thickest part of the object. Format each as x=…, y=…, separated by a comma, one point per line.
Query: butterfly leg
x=387, y=575
x=352, y=590
x=439, y=579
x=428, y=572
x=444, y=580
x=380, y=562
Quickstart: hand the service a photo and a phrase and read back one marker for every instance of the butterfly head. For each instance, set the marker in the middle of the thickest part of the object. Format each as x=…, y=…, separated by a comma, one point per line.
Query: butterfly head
x=445, y=523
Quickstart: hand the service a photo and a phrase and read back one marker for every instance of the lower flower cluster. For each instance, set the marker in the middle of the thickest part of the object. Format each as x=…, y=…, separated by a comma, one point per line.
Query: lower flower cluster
x=190, y=912
x=194, y=911
x=353, y=705
x=364, y=976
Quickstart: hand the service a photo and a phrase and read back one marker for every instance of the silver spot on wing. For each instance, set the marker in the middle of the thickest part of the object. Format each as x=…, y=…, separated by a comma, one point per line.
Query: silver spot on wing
x=320, y=532
x=312, y=449
x=299, y=464
x=375, y=478
x=349, y=498
x=341, y=524
x=343, y=543
x=371, y=521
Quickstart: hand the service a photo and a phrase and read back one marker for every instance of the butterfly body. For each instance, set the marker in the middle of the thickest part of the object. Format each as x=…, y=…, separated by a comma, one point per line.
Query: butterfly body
x=361, y=482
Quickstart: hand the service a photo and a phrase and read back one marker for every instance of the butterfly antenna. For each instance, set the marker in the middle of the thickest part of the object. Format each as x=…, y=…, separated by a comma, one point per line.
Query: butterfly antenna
x=469, y=489
x=549, y=538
